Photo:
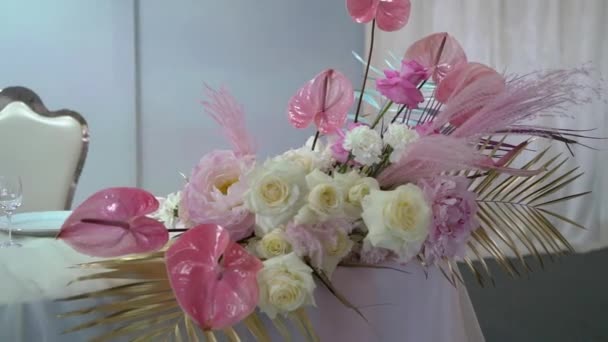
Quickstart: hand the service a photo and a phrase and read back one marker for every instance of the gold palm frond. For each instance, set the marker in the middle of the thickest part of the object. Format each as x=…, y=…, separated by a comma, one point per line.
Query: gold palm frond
x=144, y=308
x=514, y=211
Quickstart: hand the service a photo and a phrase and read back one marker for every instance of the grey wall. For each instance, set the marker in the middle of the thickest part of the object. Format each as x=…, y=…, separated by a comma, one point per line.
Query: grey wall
x=565, y=302
x=136, y=69
x=78, y=55
x=262, y=50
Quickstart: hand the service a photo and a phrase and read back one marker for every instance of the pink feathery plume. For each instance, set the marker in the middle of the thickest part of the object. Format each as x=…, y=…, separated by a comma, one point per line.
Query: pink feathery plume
x=434, y=154
x=229, y=114
x=525, y=97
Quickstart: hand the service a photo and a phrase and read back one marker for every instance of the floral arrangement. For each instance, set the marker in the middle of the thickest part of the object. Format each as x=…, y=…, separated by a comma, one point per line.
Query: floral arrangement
x=430, y=178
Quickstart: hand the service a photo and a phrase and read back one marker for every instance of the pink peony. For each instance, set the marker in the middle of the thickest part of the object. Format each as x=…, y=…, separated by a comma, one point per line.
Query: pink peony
x=215, y=192
x=374, y=255
x=402, y=86
x=454, y=210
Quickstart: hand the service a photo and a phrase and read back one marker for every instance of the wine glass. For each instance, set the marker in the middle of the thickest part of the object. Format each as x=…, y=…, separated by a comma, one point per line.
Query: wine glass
x=11, y=197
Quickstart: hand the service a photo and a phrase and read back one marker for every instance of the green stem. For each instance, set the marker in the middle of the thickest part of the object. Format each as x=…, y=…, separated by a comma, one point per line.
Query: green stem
x=379, y=117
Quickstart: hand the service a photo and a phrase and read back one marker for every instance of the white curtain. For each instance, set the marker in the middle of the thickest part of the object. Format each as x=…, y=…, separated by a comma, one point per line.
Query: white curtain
x=519, y=36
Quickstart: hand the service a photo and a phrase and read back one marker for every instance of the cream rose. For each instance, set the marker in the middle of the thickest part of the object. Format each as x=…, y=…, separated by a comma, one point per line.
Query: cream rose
x=286, y=284
x=335, y=251
x=277, y=191
x=325, y=199
x=273, y=244
x=397, y=220
x=355, y=188
x=305, y=158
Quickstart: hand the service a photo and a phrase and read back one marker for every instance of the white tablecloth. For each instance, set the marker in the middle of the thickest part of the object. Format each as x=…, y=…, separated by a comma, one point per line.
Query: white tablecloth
x=399, y=307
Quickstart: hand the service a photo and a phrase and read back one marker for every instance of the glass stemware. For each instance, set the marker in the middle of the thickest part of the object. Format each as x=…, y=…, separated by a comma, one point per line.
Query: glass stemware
x=11, y=197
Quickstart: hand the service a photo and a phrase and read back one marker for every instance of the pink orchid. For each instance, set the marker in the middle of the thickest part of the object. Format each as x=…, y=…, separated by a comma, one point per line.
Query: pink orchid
x=324, y=100
x=439, y=52
x=391, y=15
x=214, y=193
x=402, y=86
x=214, y=279
x=113, y=223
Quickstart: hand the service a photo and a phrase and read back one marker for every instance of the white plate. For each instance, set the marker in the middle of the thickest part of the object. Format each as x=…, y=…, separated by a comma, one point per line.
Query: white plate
x=43, y=223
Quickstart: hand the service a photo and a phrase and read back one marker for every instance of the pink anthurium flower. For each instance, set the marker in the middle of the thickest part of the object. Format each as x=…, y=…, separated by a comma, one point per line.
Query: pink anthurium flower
x=466, y=74
x=390, y=15
x=214, y=279
x=439, y=52
x=324, y=100
x=113, y=222
x=465, y=91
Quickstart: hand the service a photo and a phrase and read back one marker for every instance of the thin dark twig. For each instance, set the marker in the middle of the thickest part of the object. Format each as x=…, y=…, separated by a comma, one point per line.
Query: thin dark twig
x=398, y=113
x=177, y=230
x=369, y=62
x=314, y=142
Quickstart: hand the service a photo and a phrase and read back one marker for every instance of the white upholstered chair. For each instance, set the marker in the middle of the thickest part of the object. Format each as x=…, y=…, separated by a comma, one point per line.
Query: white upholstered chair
x=46, y=148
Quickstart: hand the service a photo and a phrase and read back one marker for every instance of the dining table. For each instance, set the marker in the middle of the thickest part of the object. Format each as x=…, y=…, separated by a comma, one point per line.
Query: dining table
x=414, y=305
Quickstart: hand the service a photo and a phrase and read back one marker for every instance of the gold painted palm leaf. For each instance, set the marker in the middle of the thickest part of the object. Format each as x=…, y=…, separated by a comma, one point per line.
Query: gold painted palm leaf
x=143, y=307
x=515, y=215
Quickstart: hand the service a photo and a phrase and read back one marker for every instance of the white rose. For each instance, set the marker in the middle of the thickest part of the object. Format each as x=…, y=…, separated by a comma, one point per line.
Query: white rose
x=397, y=220
x=399, y=136
x=335, y=251
x=273, y=244
x=365, y=144
x=324, y=198
x=277, y=191
x=307, y=159
x=286, y=284
x=355, y=188
x=324, y=155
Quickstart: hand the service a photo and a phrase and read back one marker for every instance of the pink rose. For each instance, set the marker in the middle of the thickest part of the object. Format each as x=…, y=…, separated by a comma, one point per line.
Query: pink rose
x=454, y=209
x=402, y=86
x=215, y=191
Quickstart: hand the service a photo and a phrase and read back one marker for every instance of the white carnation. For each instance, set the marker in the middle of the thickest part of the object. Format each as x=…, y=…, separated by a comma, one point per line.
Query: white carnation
x=399, y=136
x=168, y=209
x=365, y=144
x=286, y=284
x=397, y=220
